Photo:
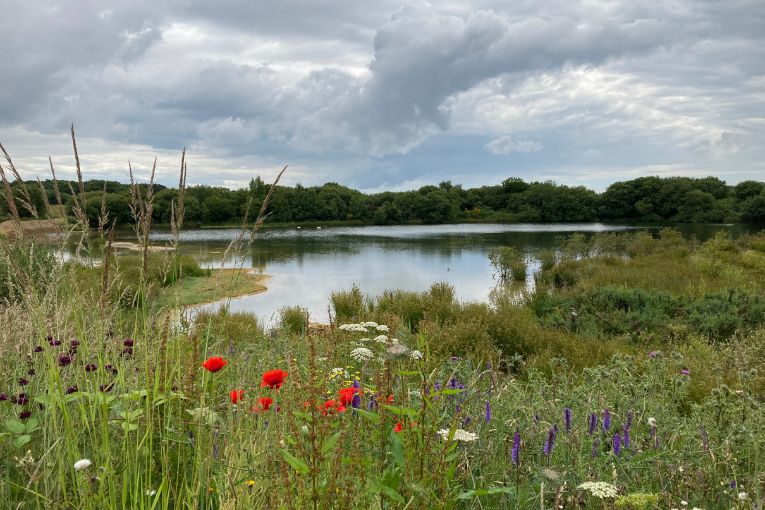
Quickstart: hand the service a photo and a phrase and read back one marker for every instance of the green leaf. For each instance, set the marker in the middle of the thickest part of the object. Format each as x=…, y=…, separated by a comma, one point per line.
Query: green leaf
x=30, y=426
x=397, y=449
x=373, y=417
x=15, y=426
x=21, y=441
x=303, y=415
x=329, y=443
x=296, y=464
x=450, y=392
x=391, y=493
x=408, y=373
x=43, y=399
x=401, y=411
x=127, y=427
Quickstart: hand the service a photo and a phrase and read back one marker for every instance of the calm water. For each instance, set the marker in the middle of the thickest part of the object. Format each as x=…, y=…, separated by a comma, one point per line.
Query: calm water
x=306, y=265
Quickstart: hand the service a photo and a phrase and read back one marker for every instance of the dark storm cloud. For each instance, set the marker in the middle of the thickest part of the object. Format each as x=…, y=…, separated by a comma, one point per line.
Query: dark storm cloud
x=358, y=87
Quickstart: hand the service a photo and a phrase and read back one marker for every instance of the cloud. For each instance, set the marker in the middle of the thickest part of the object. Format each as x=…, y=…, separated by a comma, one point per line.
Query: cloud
x=383, y=94
x=509, y=144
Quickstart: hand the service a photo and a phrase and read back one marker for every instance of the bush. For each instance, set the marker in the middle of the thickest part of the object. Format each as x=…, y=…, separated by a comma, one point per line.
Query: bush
x=294, y=319
x=348, y=304
x=508, y=262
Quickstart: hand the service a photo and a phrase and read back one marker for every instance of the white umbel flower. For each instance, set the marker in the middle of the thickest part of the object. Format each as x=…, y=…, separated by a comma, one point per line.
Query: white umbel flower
x=742, y=496
x=415, y=355
x=382, y=328
x=359, y=328
x=369, y=324
x=82, y=464
x=600, y=490
x=397, y=349
x=652, y=421
x=459, y=435
x=382, y=339
x=361, y=354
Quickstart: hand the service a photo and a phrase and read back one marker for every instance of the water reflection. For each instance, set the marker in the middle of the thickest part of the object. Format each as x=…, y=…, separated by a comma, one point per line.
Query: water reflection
x=307, y=265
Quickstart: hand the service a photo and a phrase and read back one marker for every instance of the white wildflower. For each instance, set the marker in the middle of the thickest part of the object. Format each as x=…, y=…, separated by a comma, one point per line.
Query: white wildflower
x=382, y=328
x=600, y=490
x=652, y=421
x=459, y=435
x=359, y=328
x=361, y=354
x=369, y=324
x=397, y=349
x=683, y=502
x=415, y=355
x=151, y=493
x=82, y=464
x=364, y=340
x=382, y=339
x=742, y=496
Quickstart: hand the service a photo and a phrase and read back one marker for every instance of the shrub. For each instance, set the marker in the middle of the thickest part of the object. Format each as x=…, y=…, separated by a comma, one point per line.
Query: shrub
x=508, y=262
x=348, y=305
x=294, y=319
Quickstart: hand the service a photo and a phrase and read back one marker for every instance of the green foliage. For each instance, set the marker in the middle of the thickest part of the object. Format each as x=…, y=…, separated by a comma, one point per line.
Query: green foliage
x=24, y=269
x=348, y=305
x=637, y=501
x=508, y=262
x=294, y=319
x=610, y=311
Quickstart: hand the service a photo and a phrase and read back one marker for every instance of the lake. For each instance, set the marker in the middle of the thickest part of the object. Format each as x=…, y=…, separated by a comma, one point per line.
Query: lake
x=307, y=264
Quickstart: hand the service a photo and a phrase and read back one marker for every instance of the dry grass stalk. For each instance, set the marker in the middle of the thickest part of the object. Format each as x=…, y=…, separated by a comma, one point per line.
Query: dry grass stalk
x=9, y=197
x=26, y=199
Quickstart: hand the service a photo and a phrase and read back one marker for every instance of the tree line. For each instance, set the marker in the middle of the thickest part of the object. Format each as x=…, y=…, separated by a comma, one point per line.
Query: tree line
x=646, y=199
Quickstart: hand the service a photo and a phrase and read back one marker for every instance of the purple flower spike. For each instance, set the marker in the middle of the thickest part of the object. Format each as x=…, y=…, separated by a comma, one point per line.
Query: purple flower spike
x=567, y=419
x=593, y=424
x=606, y=420
x=487, y=412
x=617, y=444
x=516, y=452
x=550, y=443
x=626, y=433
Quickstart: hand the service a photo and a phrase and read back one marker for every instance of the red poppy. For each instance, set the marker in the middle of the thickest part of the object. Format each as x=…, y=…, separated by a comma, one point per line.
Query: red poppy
x=214, y=364
x=264, y=404
x=236, y=396
x=398, y=427
x=331, y=406
x=389, y=400
x=273, y=379
x=346, y=395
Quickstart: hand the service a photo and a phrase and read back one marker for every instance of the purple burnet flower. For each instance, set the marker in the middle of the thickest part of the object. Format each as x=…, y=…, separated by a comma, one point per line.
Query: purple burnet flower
x=128, y=342
x=74, y=344
x=64, y=359
x=22, y=399
x=25, y=414
x=23, y=382
x=3, y=397
x=515, y=454
x=127, y=352
x=593, y=424
x=110, y=368
x=31, y=371
x=38, y=348
x=606, y=420
x=567, y=419
x=71, y=389
x=53, y=341
x=685, y=372
x=90, y=367
x=550, y=443
x=487, y=412
x=454, y=359
x=626, y=435
x=653, y=354
x=617, y=444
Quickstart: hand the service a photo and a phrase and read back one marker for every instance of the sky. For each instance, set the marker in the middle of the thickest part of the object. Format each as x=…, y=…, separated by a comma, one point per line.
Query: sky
x=386, y=95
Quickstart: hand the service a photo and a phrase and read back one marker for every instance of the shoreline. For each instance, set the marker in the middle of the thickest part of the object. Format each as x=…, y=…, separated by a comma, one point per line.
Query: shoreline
x=220, y=285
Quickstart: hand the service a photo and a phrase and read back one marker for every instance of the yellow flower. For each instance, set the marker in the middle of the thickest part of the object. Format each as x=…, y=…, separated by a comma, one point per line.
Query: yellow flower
x=250, y=483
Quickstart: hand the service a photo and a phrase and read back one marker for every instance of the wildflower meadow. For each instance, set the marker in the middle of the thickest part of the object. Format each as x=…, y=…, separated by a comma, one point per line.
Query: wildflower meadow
x=630, y=377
